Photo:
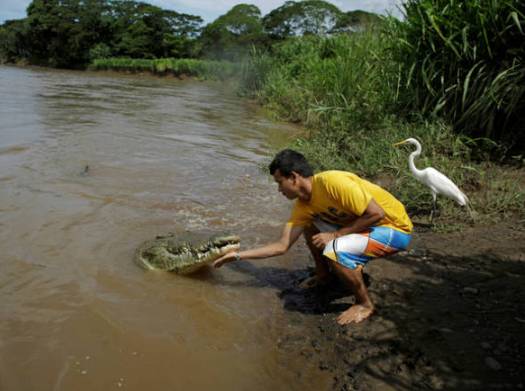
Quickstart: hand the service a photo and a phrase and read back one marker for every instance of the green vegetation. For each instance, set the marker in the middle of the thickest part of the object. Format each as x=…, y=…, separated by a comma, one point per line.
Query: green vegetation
x=234, y=33
x=347, y=90
x=214, y=70
x=297, y=18
x=71, y=33
x=465, y=62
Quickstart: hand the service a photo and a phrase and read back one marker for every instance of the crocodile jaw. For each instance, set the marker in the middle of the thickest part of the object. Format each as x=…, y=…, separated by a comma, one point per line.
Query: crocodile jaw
x=211, y=256
x=187, y=261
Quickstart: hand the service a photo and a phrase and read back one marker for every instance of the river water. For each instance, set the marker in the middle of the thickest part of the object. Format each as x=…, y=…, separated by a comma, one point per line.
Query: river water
x=93, y=164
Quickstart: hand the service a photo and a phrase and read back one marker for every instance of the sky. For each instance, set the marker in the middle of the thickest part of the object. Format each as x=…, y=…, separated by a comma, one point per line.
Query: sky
x=210, y=10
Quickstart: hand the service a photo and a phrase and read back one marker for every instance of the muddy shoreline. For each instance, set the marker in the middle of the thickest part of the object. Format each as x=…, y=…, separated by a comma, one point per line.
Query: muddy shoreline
x=450, y=316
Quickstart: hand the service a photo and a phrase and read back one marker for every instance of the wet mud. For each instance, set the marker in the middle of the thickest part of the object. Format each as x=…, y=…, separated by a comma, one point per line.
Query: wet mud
x=450, y=316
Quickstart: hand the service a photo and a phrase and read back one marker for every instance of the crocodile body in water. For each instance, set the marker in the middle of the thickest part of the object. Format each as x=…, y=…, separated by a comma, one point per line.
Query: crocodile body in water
x=182, y=256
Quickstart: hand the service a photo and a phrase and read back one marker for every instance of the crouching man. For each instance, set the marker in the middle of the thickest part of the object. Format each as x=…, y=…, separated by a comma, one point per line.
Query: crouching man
x=345, y=220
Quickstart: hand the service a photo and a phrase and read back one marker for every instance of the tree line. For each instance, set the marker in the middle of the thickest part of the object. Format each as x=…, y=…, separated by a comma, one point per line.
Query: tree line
x=71, y=33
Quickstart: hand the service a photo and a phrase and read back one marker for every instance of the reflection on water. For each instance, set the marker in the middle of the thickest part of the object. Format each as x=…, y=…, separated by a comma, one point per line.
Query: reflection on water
x=90, y=166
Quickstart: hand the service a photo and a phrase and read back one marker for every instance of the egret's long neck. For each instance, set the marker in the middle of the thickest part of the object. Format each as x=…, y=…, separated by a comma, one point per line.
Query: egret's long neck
x=411, y=158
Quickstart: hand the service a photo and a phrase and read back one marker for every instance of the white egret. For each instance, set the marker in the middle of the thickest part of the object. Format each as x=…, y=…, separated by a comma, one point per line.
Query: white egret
x=435, y=180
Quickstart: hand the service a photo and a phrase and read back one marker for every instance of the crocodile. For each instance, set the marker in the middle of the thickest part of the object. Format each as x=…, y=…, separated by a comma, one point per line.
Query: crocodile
x=182, y=256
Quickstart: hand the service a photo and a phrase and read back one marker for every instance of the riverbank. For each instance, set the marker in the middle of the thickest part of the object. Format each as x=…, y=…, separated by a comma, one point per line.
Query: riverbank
x=177, y=67
x=450, y=316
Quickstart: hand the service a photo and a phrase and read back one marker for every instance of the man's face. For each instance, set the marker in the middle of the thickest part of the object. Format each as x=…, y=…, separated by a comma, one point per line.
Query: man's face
x=287, y=185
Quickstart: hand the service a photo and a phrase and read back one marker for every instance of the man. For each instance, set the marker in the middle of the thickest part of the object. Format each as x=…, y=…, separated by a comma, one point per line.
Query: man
x=346, y=221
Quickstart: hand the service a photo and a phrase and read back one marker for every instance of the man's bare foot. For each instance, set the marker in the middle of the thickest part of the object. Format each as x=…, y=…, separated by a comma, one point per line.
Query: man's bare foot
x=314, y=281
x=356, y=313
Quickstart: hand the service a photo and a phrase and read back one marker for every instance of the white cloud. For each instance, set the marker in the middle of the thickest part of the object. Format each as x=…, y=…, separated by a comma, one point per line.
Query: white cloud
x=209, y=10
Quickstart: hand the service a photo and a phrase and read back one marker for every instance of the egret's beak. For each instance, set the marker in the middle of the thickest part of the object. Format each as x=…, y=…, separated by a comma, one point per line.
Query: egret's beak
x=399, y=143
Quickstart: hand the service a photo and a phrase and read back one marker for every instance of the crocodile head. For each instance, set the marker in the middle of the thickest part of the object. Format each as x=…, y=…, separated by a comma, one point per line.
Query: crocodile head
x=183, y=257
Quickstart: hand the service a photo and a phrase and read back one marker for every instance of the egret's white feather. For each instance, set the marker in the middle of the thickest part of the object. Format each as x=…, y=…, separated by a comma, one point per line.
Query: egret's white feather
x=438, y=182
x=441, y=184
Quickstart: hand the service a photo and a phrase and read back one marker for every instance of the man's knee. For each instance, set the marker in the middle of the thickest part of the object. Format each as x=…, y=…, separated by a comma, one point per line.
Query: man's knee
x=353, y=275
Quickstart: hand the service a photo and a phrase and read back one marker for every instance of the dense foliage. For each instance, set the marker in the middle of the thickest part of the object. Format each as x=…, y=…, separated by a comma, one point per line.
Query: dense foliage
x=232, y=34
x=71, y=33
x=313, y=17
x=462, y=62
x=297, y=18
x=465, y=60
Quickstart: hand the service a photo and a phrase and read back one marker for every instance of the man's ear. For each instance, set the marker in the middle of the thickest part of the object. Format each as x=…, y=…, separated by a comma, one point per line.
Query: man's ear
x=294, y=176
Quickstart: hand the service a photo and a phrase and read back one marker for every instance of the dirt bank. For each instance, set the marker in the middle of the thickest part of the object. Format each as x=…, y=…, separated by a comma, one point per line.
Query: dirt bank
x=451, y=316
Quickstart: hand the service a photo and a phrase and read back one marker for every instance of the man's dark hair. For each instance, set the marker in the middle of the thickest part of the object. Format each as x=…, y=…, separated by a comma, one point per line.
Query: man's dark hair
x=289, y=160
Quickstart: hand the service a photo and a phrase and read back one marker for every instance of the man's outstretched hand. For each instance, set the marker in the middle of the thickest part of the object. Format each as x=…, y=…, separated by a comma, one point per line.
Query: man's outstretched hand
x=226, y=258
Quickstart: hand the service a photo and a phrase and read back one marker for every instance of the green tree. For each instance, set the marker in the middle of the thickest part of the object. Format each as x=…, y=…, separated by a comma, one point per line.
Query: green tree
x=99, y=51
x=354, y=21
x=231, y=35
x=297, y=18
x=61, y=32
x=146, y=31
x=14, y=41
x=182, y=40
x=70, y=33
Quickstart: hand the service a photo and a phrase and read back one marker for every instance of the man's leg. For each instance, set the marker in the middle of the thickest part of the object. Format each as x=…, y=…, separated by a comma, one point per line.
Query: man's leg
x=322, y=269
x=348, y=253
x=363, y=306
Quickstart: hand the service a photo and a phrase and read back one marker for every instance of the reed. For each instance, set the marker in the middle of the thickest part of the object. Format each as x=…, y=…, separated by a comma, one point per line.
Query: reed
x=464, y=60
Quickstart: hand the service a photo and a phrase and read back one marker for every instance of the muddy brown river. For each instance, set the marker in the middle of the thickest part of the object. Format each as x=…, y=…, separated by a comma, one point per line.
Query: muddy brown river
x=93, y=164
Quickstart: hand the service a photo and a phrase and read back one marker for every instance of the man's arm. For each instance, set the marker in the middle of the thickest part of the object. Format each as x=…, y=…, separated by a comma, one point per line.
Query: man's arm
x=289, y=236
x=372, y=215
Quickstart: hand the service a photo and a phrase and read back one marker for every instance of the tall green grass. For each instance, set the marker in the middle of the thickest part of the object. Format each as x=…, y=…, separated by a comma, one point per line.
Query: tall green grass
x=465, y=60
x=216, y=70
x=315, y=80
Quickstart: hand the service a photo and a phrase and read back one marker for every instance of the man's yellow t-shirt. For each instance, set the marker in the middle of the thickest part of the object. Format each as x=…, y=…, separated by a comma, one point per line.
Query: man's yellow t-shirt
x=339, y=197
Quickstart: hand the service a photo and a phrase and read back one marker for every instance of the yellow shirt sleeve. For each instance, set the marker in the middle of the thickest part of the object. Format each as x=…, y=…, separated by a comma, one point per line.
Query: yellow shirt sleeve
x=300, y=215
x=349, y=193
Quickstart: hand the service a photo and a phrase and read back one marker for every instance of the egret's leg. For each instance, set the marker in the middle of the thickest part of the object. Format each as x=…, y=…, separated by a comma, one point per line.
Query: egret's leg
x=434, y=199
x=471, y=212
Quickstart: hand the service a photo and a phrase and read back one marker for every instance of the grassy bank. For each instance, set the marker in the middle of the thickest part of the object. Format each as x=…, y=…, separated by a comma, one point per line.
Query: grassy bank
x=346, y=91
x=203, y=69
